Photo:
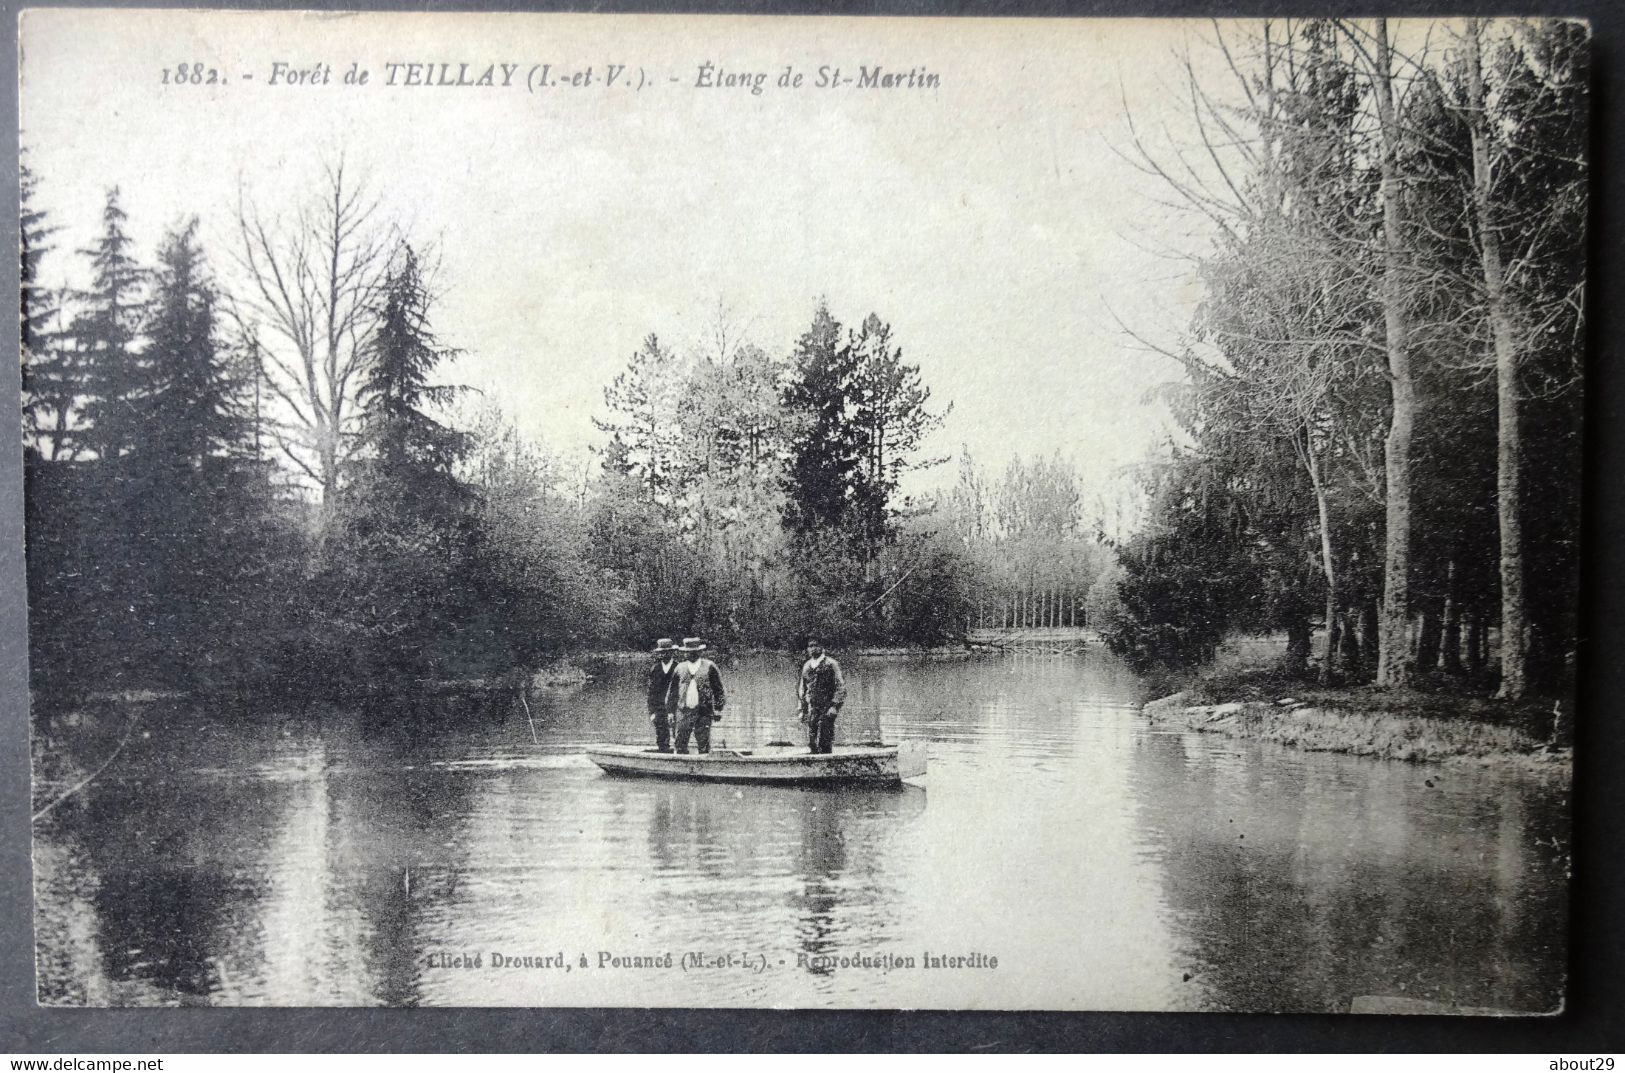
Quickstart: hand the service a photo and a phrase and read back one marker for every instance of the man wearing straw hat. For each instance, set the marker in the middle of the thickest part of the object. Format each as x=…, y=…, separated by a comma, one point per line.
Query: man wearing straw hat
x=659, y=690
x=696, y=696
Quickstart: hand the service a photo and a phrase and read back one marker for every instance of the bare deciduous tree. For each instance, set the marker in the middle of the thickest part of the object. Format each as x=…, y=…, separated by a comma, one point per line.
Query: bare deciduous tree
x=313, y=279
x=1514, y=656
x=1285, y=330
x=1393, y=658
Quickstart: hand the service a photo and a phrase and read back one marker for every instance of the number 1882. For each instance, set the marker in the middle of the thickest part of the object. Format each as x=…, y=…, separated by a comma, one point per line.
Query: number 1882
x=191, y=74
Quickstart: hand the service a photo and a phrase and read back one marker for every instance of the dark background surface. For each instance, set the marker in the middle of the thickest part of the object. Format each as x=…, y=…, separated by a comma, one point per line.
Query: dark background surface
x=1591, y=1024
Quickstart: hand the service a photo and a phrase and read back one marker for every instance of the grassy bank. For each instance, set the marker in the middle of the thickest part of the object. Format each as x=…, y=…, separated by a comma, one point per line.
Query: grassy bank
x=1436, y=721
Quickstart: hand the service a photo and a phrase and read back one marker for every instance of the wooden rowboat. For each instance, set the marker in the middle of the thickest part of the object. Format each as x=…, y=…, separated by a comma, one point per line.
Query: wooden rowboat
x=879, y=765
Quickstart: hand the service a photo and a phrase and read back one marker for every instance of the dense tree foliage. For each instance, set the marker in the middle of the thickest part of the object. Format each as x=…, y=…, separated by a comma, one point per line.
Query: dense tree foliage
x=107, y=361
x=1377, y=429
x=758, y=498
x=49, y=387
x=160, y=557
x=1393, y=309
x=391, y=575
x=187, y=530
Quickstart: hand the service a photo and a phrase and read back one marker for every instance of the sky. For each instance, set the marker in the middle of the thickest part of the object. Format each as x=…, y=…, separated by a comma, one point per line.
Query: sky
x=991, y=220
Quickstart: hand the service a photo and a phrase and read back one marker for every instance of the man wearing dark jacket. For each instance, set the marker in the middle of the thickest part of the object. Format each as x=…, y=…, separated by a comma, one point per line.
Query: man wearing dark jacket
x=822, y=692
x=659, y=690
x=696, y=696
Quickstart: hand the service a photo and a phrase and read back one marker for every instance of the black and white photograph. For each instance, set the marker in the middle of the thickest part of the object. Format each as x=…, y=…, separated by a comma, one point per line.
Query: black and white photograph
x=701, y=511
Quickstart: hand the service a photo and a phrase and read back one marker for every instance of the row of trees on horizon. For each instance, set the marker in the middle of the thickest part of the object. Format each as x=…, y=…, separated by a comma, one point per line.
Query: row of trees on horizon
x=1381, y=411
x=272, y=481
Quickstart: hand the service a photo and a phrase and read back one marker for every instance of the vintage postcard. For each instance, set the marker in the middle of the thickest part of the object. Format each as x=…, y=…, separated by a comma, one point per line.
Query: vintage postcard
x=597, y=510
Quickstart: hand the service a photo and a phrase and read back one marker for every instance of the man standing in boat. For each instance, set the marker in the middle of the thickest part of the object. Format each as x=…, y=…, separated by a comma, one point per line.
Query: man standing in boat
x=822, y=692
x=696, y=696
x=659, y=691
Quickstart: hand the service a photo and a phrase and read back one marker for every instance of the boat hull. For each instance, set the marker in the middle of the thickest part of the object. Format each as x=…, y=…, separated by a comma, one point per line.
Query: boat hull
x=874, y=765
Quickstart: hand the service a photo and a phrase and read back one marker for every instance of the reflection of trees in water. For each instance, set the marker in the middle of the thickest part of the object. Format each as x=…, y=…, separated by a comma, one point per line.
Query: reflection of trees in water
x=372, y=856
x=1299, y=883
x=67, y=961
x=272, y=871
x=843, y=900
x=821, y=861
x=428, y=719
x=822, y=848
x=162, y=924
x=694, y=830
x=663, y=833
x=169, y=872
x=395, y=853
x=1019, y=697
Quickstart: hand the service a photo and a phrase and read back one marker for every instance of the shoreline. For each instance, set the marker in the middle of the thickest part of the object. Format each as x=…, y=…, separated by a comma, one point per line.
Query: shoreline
x=867, y=652
x=1360, y=730
x=565, y=672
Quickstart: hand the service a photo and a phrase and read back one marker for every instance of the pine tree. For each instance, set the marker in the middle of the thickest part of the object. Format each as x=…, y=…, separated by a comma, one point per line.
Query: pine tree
x=187, y=496
x=394, y=570
x=48, y=384
x=406, y=443
x=192, y=396
x=106, y=334
x=34, y=233
x=890, y=420
x=826, y=457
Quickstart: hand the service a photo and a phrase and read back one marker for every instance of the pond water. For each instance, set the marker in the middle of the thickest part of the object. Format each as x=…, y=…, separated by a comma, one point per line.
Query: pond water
x=1063, y=854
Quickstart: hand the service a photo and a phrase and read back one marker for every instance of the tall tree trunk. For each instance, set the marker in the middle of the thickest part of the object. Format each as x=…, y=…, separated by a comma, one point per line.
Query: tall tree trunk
x=1393, y=647
x=1514, y=647
x=1327, y=562
x=328, y=453
x=1450, y=642
x=1429, y=639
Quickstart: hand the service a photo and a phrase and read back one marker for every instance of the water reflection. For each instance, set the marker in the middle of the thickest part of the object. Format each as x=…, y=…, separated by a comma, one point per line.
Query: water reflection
x=821, y=860
x=238, y=857
x=163, y=926
x=161, y=909
x=1299, y=882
